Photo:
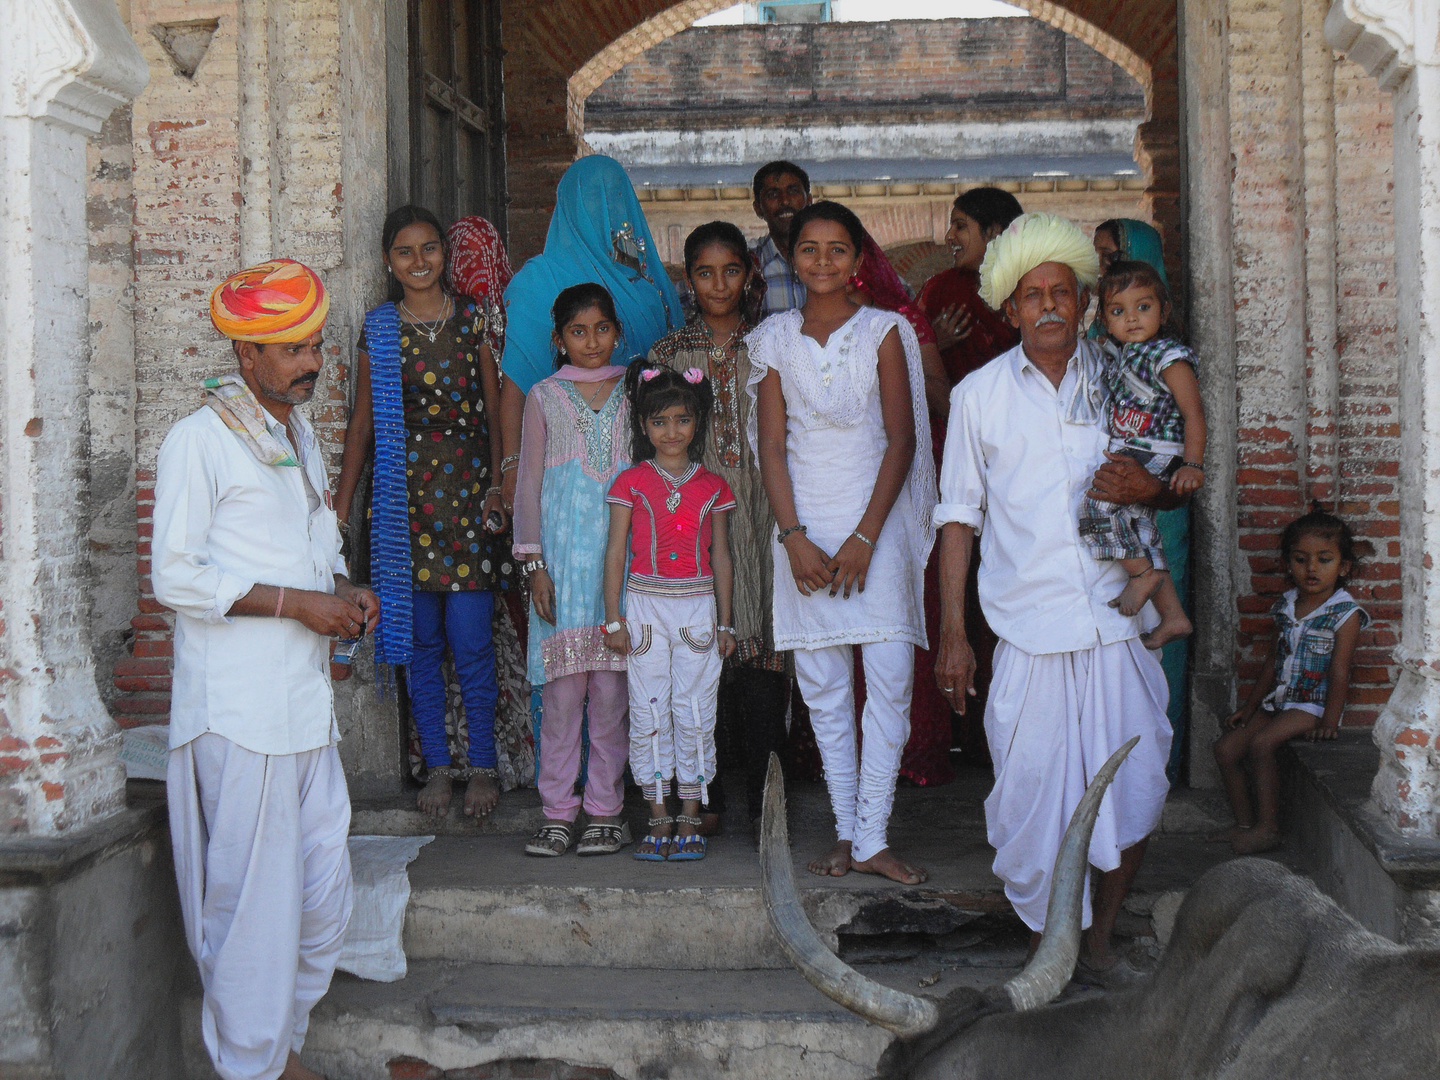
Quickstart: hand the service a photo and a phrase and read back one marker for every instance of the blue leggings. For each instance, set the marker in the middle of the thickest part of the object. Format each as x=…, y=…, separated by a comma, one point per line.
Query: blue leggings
x=462, y=619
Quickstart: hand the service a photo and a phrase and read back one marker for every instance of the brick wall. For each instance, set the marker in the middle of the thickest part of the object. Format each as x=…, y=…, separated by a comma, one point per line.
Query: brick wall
x=1288, y=218
x=844, y=70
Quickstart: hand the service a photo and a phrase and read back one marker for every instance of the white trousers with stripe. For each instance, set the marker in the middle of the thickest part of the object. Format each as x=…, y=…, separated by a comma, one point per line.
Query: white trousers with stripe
x=861, y=779
x=262, y=859
x=674, y=677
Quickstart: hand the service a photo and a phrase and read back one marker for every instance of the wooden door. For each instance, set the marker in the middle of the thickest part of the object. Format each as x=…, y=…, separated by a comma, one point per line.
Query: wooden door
x=457, y=114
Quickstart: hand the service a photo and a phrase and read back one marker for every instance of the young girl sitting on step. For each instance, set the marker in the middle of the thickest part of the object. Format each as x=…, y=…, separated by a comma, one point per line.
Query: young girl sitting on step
x=670, y=515
x=1304, y=679
x=840, y=399
x=575, y=441
x=1154, y=416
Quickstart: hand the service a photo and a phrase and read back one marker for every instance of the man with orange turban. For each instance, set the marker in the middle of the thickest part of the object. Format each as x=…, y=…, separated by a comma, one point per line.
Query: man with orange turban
x=1073, y=681
x=247, y=553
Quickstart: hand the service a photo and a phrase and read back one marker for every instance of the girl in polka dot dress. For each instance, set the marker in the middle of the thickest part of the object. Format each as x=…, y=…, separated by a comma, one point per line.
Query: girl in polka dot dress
x=426, y=384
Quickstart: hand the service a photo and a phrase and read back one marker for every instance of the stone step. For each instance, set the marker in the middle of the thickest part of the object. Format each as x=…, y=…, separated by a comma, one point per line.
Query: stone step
x=447, y=1019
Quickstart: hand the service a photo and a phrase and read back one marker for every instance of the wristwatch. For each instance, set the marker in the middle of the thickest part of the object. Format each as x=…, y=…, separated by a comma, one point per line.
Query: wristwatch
x=533, y=565
x=612, y=627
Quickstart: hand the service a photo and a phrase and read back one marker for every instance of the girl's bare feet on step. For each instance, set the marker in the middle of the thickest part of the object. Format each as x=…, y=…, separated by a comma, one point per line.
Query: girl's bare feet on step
x=887, y=864
x=834, y=863
x=434, y=798
x=1229, y=835
x=481, y=795
x=295, y=1071
x=1256, y=840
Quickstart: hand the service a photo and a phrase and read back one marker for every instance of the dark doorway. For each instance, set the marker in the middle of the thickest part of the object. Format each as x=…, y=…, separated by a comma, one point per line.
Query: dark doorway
x=457, y=114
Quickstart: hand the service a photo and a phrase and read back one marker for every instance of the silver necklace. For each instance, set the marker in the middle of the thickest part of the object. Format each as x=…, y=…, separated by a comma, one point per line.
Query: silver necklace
x=672, y=501
x=430, y=330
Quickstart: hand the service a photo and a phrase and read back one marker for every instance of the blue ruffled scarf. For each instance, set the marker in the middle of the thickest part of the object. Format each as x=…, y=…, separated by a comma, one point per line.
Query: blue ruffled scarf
x=389, y=500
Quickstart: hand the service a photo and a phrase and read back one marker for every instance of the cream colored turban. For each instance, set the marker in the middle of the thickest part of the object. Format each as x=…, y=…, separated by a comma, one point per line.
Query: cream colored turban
x=1028, y=241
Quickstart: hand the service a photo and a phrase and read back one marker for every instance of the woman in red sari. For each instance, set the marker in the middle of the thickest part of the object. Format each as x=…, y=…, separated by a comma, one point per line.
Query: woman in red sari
x=969, y=335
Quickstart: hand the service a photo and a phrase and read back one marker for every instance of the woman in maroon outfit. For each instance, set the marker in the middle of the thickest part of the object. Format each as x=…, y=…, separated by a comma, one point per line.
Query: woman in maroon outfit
x=969, y=335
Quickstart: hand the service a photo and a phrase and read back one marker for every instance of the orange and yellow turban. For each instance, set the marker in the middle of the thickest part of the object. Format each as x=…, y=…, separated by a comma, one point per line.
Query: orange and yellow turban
x=281, y=300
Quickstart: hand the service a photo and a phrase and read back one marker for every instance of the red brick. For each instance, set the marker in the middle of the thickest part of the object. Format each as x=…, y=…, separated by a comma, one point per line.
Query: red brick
x=408, y=1068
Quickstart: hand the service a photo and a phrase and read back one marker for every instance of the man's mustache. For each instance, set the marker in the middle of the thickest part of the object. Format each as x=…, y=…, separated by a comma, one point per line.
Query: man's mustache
x=1049, y=317
x=306, y=380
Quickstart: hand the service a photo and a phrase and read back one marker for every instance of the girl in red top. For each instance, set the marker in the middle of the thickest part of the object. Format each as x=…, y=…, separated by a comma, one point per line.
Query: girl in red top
x=669, y=513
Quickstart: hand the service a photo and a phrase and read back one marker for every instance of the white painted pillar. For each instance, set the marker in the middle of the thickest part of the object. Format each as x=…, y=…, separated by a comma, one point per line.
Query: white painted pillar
x=1398, y=42
x=65, y=65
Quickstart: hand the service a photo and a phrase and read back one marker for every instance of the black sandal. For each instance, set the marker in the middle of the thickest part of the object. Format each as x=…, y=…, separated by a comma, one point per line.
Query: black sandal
x=552, y=833
x=599, y=839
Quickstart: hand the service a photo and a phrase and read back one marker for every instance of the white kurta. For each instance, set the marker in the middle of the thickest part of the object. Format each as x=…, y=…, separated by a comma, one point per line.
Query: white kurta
x=834, y=442
x=1072, y=682
x=225, y=522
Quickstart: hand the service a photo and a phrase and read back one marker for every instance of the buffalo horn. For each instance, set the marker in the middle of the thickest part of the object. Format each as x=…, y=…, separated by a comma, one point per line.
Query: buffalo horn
x=1054, y=961
x=905, y=1014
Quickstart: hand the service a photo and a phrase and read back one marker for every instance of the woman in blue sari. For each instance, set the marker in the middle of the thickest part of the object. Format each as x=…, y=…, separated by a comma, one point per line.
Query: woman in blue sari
x=597, y=233
x=1126, y=238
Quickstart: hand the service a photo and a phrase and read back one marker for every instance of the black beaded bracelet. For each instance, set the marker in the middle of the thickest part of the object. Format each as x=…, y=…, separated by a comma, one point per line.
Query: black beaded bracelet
x=1194, y=465
x=792, y=529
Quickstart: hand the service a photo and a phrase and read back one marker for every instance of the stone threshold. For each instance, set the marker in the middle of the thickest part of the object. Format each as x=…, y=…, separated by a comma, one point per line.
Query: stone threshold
x=1341, y=773
x=43, y=860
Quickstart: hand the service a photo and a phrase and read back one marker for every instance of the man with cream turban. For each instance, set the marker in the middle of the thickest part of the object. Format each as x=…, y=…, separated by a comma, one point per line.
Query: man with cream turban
x=247, y=553
x=1072, y=682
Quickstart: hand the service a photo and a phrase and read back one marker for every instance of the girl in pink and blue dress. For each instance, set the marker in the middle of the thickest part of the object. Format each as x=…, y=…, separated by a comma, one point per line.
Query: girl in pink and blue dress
x=575, y=441
x=670, y=515
x=1305, y=677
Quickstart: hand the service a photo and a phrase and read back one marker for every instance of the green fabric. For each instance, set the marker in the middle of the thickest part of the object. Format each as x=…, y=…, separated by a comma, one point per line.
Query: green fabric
x=1175, y=657
x=1141, y=243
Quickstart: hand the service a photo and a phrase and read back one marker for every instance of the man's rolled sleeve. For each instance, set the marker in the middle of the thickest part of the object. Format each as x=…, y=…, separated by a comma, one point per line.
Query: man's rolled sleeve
x=962, y=478
x=182, y=575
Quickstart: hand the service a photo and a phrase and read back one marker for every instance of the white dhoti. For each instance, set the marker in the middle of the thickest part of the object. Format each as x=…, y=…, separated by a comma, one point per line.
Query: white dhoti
x=263, y=865
x=1052, y=720
x=862, y=796
x=673, y=673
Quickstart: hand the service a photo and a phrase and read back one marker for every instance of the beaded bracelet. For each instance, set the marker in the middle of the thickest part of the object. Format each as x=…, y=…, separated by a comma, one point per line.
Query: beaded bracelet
x=509, y=462
x=792, y=529
x=858, y=535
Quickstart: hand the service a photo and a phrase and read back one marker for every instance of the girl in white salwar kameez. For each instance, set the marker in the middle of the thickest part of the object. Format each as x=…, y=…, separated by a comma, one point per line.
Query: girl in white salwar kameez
x=841, y=408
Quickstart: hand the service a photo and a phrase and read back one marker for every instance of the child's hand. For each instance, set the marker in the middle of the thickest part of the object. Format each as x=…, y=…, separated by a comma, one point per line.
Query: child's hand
x=1186, y=479
x=619, y=641
x=808, y=564
x=849, y=567
x=725, y=641
x=338, y=671
x=542, y=595
x=1323, y=730
x=1238, y=718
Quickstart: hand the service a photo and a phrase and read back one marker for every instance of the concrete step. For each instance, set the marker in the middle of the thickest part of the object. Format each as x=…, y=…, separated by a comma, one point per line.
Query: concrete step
x=445, y=1018
x=481, y=899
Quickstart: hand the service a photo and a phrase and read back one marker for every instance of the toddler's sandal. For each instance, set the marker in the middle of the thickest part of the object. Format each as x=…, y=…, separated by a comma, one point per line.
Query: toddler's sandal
x=691, y=848
x=598, y=839
x=651, y=848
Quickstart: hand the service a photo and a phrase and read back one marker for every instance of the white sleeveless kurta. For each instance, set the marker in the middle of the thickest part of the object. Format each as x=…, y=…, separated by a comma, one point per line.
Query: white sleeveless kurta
x=834, y=442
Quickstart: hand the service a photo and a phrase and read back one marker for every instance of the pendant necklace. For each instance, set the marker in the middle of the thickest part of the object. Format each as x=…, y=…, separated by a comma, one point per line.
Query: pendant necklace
x=717, y=352
x=672, y=501
x=430, y=330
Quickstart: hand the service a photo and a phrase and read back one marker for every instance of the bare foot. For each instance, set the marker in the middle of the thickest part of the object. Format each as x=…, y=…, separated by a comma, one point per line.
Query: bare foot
x=709, y=823
x=1169, y=630
x=295, y=1071
x=434, y=798
x=1138, y=591
x=1229, y=835
x=481, y=795
x=887, y=864
x=1256, y=840
x=834, y=863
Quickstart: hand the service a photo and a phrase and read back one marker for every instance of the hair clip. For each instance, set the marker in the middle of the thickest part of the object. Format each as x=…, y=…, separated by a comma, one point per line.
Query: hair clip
x=694, y=375
x=649, y=373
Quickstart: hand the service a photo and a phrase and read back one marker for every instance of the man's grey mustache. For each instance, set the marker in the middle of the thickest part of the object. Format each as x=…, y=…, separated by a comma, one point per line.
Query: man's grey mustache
x=1048, y=318
x=306, y=380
